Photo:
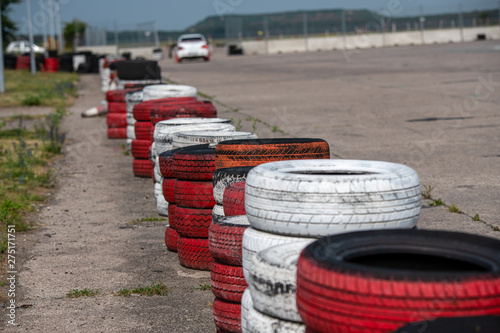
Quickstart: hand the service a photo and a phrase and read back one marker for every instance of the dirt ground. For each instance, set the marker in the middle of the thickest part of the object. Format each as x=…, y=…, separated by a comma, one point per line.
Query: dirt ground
x=405, y=105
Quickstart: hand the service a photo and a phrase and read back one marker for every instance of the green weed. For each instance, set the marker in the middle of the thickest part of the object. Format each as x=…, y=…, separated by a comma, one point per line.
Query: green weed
x=437, y=202
x=156, y=288
x=75, y=293
x=454, y=209
x=476, y=217
x=426, y=193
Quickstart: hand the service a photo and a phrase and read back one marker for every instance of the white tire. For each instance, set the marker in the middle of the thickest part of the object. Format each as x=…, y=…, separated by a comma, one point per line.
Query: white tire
x=273, y=275
x=161, y=203
x=316, y=198
x=255, y=241
x=133, y=98
x=225, y=177
x=246, y=305
x=258, y=322
x=131, y=120
x=218, y=212
x=157, y=173
x=129, y=144
x=186, y=139
x=130, y=132
x=165, y=129
x=160, y=91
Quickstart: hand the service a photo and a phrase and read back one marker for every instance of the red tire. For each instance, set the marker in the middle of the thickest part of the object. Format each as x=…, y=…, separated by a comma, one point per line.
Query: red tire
x=168, y=185
x=227, y=282
x=116, y=120
x=166, y=160
x=140, y=148
x=238, y=153
x=194, y=194
x=192, y=222
x=117, y=133
x=142, y=168
x=227, y=316
x=194, y=163
x=202, y=109
x=171, y=238
x=118, y=95
x=117, y=107
x=226, y=237
x=193, y=253
x=171, y=215
x=142, y=111
x=144, y=130
x=234, y=199
x=377, y=281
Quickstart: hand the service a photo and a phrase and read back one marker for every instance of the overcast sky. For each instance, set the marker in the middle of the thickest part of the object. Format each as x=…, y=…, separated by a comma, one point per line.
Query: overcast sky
x=180, y=14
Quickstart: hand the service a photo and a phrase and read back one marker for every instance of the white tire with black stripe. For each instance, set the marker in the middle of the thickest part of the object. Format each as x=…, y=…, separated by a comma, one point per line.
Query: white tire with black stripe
x=315, y=198
x=258, y=322
x=255, y=241
x=159, y=91
x=186, y=139
x=273, y=275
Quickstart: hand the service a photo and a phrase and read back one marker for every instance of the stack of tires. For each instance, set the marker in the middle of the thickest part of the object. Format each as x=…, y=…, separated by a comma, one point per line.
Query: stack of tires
x=163, y=150
x=132, y=99
x=235, y=159
x=193, y=194
x=400, y=281
x=168, y=95
x=291, y=203
x=116, y=118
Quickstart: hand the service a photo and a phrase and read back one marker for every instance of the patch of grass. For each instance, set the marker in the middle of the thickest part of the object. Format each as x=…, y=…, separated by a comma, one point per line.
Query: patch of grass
x=75, y=293
x=49, y=132
x=277, y=129
x=148, y=219
x=239, y=126
x=44, y=89
x=235, y=110
x=204, y=287
x=156, y=288
x=30, y=100
x=476, y=217
x=426, y=192
x=454, y=209
x=496, y=229
x=124, y=149
x=437, y=202
x=3, y=283
x=254, y=124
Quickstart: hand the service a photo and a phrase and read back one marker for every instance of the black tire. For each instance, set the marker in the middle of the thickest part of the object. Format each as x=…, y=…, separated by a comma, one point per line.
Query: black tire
x=483, y=324
x=138, y=70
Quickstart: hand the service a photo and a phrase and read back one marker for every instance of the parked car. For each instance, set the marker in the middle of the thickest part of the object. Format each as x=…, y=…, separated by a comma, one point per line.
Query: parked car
x=22, y=46
x=192, y=46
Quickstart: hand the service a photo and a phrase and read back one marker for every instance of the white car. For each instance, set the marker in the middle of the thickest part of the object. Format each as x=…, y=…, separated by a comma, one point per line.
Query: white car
x=192, y=46
x=22, y=46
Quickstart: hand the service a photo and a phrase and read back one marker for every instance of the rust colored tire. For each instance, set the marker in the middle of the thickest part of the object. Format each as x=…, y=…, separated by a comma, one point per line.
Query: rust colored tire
x=142, y=168
x=194, y=163
x=226, y=237
x=378, y=281
x=199, y=109
x=194, y=194
x=227, y=316
x=144, y=130
x=171, y=215
x=168, y=185
x=192, y=222
x=234, y=199
x=237, y=153
x=140, y=148
x=117, y=132
x=193, y=253
x=142, y=111
x=166, y=160
x=116, y=120
x=117, y=108
x=227, y=282
x=171, y=238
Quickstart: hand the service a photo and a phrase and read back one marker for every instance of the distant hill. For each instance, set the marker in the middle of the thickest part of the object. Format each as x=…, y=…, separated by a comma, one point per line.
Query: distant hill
x=319, y=22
